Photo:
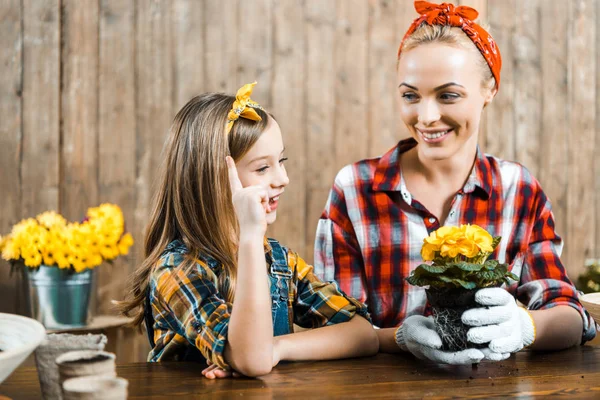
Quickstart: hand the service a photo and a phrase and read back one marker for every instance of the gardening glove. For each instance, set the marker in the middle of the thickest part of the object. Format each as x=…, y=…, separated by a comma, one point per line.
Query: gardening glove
x=417, y=334
x=505, y=326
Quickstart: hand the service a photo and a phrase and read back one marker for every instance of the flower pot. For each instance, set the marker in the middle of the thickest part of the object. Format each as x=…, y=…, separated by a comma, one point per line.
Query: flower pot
x=448, y=306
x=59, y=298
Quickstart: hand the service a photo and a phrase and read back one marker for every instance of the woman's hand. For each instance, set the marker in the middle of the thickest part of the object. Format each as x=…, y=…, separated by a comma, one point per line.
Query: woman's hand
x=214, y=372
x=500, y=322
x=251, y=203
x=417, y=334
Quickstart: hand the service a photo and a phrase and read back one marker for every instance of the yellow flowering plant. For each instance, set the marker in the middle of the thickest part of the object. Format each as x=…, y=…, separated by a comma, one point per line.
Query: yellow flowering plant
x=457, y=257
x=457, y=265
x=48, y=239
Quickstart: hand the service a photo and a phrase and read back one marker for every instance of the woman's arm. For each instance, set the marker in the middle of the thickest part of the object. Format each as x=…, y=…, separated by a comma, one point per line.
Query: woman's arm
x=551, y=335
x=355, y=338
x=387, y=340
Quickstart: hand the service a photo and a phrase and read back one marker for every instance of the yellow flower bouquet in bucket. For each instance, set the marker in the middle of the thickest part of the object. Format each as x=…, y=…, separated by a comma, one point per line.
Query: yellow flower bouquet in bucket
x=58, y=259
x=457, y=265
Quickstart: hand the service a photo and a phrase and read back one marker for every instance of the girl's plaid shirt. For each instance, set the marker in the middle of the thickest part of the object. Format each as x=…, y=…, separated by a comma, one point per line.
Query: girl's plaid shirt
x=189, y=310
x=370, y=235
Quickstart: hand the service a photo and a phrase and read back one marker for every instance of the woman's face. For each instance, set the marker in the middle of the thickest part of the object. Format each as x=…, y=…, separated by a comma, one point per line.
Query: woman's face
x=441, y=98
x=263, y=165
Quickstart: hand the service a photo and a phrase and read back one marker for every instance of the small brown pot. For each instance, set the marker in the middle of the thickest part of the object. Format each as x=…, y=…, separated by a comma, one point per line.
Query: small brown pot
x=448, y=306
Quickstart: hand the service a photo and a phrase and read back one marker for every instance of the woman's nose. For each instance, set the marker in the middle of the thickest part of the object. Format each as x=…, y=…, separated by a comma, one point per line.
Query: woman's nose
x=429, y=112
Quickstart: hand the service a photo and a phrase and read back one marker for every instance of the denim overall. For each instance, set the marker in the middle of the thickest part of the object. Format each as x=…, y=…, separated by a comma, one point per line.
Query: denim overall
x=280, y=279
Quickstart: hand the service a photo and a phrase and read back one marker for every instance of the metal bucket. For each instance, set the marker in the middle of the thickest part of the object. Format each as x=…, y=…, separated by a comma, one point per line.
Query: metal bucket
x=59, y=298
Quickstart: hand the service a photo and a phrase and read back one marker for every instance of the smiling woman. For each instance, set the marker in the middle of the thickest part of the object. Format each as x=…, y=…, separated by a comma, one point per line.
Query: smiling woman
x=380, y=210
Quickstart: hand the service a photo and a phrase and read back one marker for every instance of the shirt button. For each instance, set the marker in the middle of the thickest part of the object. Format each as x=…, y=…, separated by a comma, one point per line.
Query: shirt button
x=431, y=220
x=452, y=213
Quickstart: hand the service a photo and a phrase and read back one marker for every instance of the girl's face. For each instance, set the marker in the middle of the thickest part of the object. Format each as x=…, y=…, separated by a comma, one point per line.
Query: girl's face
x=263, y=165
x=441, y=98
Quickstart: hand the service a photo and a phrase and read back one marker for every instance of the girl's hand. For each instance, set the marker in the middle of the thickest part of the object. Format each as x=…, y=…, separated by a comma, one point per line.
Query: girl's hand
x=212, y=372
x=251, y=203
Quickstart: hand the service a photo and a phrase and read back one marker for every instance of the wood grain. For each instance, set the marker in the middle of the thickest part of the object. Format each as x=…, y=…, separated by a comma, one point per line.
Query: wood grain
x=116, y=135
x=500, y=135
x=382, y=47
x=320, y=112
x=288, y=106
x=555, y=130
x=580, y=235
x=41, y=143
x=573, y=373
x=11, y=82
x=79, y=108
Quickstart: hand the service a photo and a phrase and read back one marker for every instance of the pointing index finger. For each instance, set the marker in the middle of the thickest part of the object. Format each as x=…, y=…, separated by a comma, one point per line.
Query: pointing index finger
x=234, y=181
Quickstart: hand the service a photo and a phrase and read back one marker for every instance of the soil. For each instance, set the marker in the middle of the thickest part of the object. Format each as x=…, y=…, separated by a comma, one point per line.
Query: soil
x=97, y=358
x=448, y=306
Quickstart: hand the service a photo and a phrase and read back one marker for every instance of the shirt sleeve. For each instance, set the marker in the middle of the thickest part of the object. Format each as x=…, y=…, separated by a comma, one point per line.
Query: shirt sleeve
x=318, y=303
x=543, y=280
x=337, y=251
x=191, y=305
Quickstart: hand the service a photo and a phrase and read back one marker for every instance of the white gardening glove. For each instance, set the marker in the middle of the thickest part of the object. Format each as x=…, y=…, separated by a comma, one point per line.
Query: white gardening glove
x=417, y=334
x=505, y=326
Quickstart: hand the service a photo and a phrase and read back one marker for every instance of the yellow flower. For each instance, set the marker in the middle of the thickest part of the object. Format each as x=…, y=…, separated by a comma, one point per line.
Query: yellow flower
x=452, y=241
x=125, y=243
x=479, y=236
x=11, y=251
x=51, y=219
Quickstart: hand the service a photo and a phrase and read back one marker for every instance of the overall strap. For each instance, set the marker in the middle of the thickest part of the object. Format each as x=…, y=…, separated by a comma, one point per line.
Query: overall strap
x=281, y=290
x=149, y=319
x=279, y=264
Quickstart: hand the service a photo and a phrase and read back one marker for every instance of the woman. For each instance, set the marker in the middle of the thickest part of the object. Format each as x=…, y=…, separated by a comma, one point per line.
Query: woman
x=380, y=210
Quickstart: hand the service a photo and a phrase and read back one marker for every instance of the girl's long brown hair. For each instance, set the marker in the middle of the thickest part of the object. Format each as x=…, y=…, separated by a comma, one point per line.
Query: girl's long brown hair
x=193, y=198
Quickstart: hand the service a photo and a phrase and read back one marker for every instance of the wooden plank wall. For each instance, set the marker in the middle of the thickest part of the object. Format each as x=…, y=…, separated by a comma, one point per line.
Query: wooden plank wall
x=88, y=90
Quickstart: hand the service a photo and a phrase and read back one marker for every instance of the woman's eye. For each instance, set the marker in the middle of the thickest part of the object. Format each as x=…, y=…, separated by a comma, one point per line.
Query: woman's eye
x=284, y=159
x=408, y=96
x=449, y=96
x=263, y=169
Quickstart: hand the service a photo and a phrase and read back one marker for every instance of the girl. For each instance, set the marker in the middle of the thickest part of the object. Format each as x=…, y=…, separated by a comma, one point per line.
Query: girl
x=380, y=210
x=211, y=286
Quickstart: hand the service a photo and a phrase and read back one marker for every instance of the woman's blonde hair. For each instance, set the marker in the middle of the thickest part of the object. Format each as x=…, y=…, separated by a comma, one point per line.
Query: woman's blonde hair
x=193, y=198
x=452, y=36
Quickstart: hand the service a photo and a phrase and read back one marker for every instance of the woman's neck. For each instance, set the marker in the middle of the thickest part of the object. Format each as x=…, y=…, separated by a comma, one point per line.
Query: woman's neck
x=453, y=171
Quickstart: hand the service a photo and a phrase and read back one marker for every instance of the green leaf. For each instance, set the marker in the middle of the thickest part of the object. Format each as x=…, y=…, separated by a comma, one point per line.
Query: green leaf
x=434, y=269
x=465, y=266
x=490, y=264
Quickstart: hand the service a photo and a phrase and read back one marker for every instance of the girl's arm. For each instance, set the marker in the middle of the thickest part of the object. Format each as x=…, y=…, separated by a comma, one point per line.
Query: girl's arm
x=249, y=348
x=355, y=338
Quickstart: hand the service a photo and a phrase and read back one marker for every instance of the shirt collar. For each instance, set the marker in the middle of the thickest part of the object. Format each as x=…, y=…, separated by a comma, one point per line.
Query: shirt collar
x=388, y=174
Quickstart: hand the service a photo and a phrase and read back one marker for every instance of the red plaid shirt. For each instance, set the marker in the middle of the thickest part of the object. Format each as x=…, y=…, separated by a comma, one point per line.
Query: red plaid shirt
x=370, y=234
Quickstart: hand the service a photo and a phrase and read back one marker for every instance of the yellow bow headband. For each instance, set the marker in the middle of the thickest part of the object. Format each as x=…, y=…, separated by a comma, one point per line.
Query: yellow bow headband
x=243, y=107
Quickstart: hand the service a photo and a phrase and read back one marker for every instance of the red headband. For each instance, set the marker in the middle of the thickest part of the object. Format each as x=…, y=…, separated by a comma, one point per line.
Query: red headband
x=462, y=17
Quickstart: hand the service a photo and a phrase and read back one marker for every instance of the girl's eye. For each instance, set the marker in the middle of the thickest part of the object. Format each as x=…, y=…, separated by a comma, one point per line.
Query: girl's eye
x=449, y=96
x=284, y=159
x=409, y=96
x=263, y=169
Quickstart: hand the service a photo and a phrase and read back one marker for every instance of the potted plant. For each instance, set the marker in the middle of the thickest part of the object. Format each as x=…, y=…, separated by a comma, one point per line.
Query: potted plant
x=58, y=259
x=457, y=265
x=589, y=281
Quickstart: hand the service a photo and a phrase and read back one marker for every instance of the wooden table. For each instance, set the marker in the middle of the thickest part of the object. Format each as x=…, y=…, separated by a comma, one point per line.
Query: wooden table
x=573, y=373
